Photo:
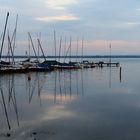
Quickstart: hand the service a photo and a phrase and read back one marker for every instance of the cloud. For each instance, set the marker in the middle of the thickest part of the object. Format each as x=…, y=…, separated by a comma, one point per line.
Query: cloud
x=129, y=25
x=59, y=4
x=138, y=9
x=6, y=7
x=132, y=24
x=57, y=18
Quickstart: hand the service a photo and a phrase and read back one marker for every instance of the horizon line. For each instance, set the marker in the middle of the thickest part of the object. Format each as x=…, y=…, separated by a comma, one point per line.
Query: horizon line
x=74, y=56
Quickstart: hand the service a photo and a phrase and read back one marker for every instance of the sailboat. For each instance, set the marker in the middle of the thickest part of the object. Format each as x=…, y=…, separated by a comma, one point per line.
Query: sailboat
x=70, y=64
x=44, y=65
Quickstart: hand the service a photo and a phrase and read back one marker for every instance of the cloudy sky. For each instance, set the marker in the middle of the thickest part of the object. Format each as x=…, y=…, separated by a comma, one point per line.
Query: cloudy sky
x=99, y=22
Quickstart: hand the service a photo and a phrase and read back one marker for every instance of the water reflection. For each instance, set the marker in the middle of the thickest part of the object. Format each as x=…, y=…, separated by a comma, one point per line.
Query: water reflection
x=110, y=77
x=67, y=84
x=5, y=108
x=11, y=103
x=120, y=74
x=51, y=96
x=35, y=86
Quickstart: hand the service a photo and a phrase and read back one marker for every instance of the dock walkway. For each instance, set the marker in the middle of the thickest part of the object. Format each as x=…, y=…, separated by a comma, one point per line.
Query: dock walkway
x=107, y=64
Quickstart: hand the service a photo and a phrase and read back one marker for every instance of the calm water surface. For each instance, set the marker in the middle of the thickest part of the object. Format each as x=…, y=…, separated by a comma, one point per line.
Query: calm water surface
x=92, y=104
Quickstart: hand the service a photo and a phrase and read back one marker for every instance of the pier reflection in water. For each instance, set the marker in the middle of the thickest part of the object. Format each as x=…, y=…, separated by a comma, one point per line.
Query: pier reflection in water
x=18, y=93
x=47, y=97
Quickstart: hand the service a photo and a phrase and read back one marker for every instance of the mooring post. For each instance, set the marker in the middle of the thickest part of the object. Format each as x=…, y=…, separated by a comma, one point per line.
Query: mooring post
x=120, y=73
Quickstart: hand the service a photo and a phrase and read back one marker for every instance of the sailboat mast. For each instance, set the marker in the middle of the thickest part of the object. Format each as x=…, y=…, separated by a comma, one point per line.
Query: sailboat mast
x=29, y=46
x=4, y=34
x=77, y=50
x=39, y=44
x=55, y=43
x=65, y=48
x=33, y=45
x=82, y=47
x=14, y=34
x=39, y=37
x=70, y=48
x=10, y=48
x=110, y=53
x=60, y=48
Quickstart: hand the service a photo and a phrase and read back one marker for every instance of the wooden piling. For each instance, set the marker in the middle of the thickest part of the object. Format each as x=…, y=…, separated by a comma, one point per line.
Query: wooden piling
x=120, y=74
x=29, y=77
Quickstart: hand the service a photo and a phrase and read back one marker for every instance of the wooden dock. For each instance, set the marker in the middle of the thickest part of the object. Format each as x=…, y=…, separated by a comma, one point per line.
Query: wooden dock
x=9, y=70
x=107, y=64
x=23, y=70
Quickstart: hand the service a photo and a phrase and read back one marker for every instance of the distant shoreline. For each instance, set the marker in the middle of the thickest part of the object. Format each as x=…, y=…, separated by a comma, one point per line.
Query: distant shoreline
x=85, y=56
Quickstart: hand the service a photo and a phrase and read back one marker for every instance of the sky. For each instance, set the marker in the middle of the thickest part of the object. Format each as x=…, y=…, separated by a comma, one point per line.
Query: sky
x=98, y=23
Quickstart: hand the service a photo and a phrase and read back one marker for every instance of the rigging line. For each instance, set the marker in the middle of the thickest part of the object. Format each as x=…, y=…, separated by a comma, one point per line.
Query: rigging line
x=3, y=38
x=32, y=45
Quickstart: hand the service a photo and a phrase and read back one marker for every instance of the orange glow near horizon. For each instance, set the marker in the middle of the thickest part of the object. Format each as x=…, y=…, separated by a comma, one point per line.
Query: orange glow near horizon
x=96, y=47
x=102, y=46
x=57, y=18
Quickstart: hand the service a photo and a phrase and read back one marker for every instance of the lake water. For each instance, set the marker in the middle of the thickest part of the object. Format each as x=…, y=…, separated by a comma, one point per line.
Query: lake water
x=85, y=104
